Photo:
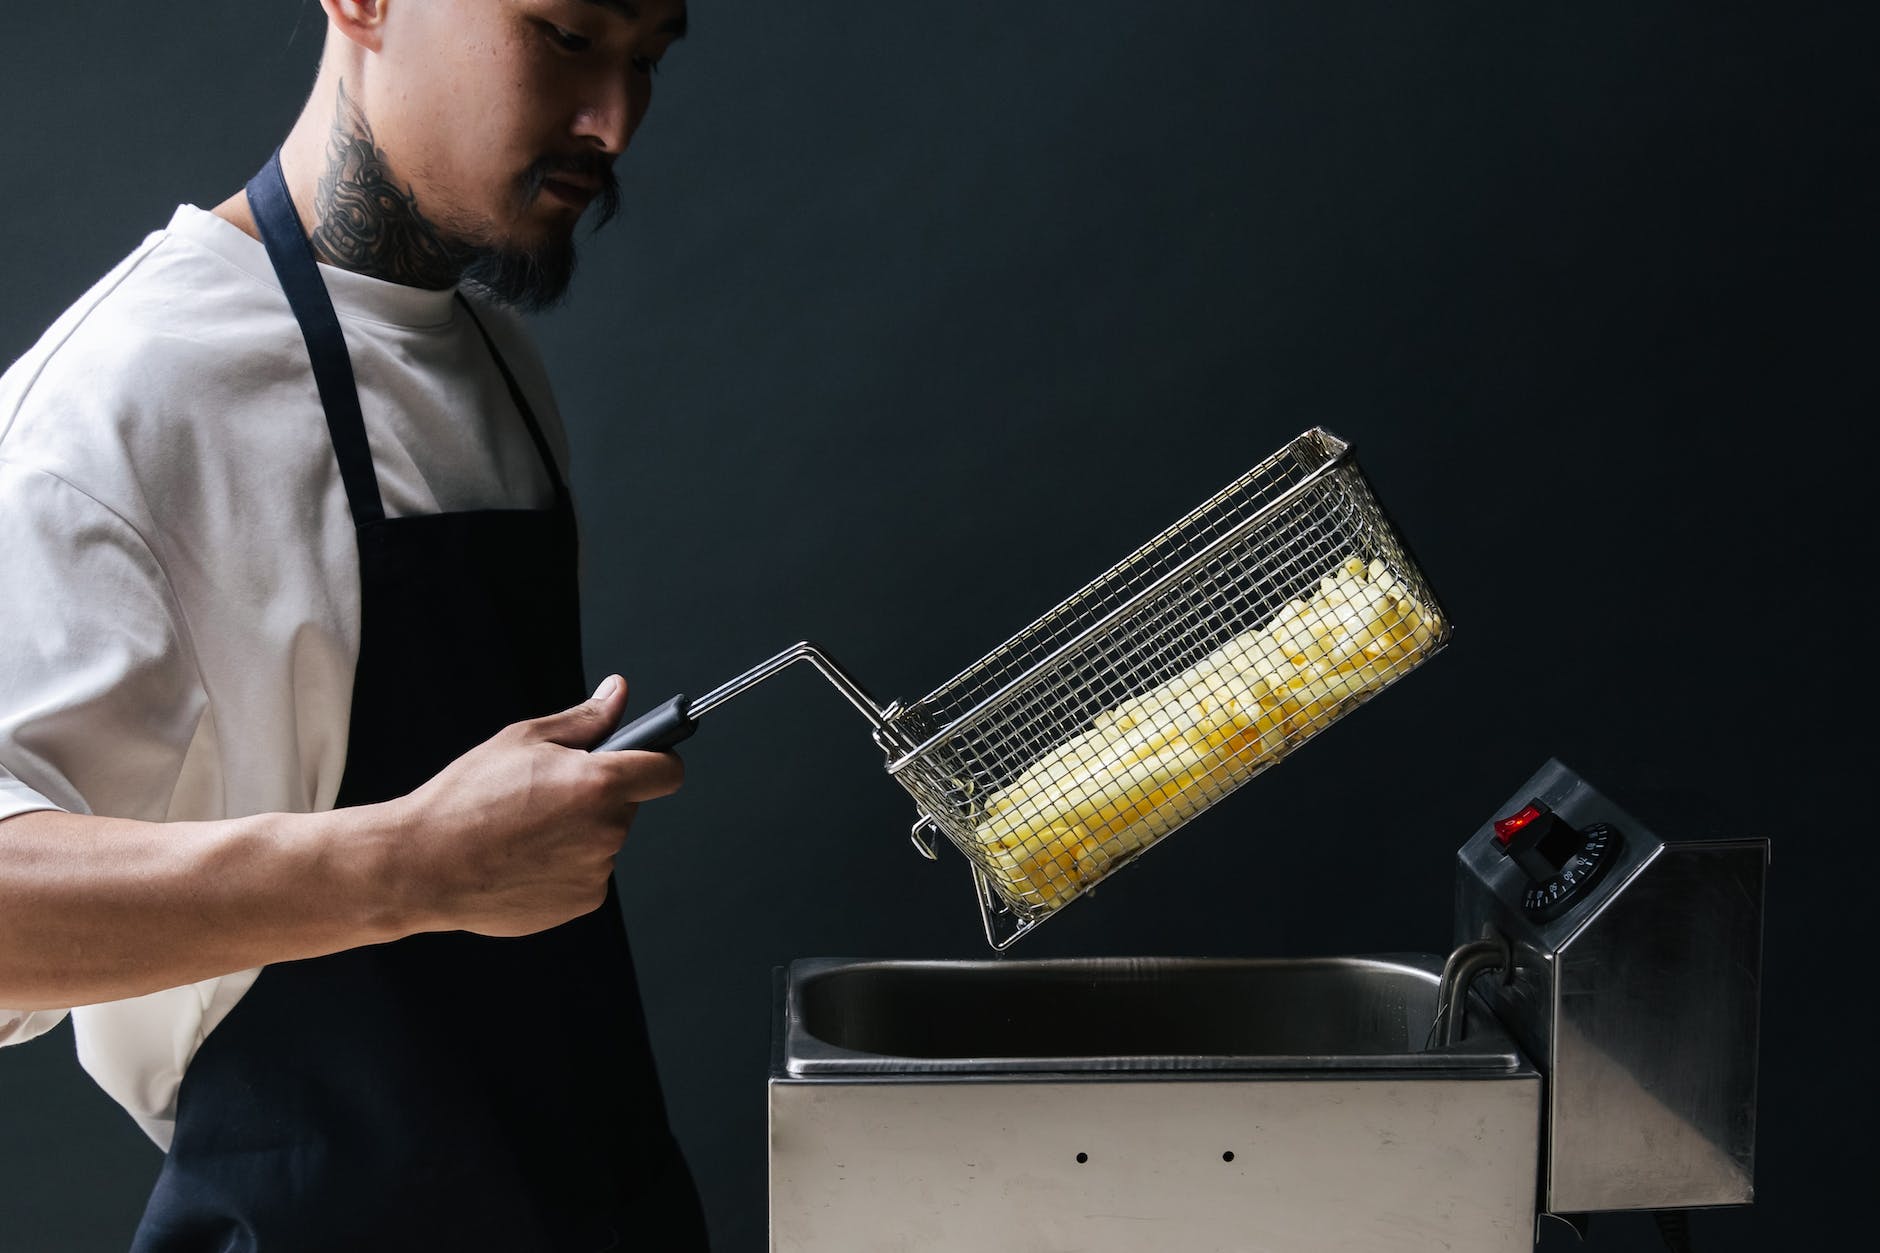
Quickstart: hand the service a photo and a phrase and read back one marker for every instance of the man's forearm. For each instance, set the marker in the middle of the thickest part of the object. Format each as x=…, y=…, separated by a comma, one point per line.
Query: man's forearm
x=98, y=909
x=516, y=836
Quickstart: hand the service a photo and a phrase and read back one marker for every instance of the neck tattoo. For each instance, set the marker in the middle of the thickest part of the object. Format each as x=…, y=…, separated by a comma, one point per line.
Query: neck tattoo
x=365, y=221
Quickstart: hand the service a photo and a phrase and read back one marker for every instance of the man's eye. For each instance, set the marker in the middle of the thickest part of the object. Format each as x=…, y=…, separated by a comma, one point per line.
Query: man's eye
x=566, y=40
x=646, y=65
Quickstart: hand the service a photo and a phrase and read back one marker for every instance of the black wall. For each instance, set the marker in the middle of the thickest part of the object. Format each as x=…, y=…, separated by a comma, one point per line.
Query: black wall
x=920, y=315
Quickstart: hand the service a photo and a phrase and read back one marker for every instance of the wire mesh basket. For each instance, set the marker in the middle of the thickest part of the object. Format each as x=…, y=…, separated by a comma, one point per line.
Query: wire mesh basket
x=1201, y=659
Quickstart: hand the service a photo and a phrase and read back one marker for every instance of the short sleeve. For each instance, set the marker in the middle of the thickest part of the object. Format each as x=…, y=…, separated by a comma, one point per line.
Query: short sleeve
x=99, y=694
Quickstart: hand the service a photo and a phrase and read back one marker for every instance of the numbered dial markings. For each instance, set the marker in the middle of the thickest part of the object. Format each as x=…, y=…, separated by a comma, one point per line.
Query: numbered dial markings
x=1552, y=897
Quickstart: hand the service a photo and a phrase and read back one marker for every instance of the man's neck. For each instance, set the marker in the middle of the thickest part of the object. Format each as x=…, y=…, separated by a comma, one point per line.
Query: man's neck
x=355, y=213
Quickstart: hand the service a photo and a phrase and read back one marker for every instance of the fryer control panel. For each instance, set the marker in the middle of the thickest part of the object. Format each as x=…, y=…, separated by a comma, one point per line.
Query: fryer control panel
x=1553, y=851
x=1561, y=862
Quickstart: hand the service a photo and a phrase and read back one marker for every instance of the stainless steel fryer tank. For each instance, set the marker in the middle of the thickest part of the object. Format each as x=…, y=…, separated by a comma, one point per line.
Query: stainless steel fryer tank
x=1607, y=983
x=1111, y=1105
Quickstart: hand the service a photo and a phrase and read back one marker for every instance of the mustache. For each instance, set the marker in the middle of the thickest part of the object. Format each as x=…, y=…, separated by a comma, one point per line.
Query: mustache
x=586, y=166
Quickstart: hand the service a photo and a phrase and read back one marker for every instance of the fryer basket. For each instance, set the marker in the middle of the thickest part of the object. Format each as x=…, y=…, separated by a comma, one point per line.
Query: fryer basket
x=1203, y=658
x=1229, y=567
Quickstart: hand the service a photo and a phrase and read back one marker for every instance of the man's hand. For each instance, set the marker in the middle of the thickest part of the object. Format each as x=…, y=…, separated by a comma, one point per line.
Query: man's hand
x=516, y=836
x=519, y=834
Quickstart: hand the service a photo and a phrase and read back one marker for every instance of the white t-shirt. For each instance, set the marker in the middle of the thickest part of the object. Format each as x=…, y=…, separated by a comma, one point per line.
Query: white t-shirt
x=179, y=580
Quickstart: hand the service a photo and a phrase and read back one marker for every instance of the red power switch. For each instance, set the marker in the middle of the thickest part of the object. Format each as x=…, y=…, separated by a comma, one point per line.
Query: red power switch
x=1506, y=828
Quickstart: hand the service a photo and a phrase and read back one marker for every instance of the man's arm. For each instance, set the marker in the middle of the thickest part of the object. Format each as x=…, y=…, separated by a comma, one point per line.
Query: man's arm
x=98, y=909
x=517, y=835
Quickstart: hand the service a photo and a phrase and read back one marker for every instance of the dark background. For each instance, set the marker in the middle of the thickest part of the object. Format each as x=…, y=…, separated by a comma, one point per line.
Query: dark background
x=920, y=315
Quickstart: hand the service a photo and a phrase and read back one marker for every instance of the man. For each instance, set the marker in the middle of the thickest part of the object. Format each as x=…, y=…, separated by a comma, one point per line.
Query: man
x=287, y=612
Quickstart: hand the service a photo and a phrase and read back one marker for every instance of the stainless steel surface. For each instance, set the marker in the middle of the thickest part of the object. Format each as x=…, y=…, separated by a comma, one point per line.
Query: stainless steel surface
x=1123, y=1014
x=1459, y=971
x=1331, y=1164
x=1640, y=1004
x=917, y=1146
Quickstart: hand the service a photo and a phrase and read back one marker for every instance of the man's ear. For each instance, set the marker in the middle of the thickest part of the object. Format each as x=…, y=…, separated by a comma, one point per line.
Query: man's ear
x=362, y=21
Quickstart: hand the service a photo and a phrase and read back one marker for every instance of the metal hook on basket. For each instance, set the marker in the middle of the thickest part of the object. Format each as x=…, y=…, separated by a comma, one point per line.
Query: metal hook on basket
x=922, y=842
x=1003, y=926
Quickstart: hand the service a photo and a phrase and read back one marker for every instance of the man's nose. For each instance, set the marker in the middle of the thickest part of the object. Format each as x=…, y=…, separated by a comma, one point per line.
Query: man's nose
x=609, y=115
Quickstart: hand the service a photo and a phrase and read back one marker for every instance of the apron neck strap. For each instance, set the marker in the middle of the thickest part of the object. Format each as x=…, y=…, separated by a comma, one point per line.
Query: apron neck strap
x=294, y=265
x=521, y=402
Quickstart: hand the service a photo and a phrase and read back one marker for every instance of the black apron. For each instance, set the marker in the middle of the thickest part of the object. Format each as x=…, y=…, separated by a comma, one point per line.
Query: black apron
x=448, y=1091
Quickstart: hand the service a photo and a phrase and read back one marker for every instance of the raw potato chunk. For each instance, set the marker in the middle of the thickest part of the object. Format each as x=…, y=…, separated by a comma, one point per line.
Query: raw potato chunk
x=1150, y=764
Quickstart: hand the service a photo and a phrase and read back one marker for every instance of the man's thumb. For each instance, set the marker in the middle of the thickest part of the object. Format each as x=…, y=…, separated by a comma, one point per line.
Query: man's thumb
x=584, y=725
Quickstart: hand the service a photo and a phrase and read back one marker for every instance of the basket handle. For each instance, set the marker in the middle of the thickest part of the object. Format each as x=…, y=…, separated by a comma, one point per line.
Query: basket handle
x=653, y=731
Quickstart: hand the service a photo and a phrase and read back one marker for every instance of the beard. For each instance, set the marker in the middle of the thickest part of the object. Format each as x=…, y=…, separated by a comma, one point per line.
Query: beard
x=529, y=280
x=535, y=277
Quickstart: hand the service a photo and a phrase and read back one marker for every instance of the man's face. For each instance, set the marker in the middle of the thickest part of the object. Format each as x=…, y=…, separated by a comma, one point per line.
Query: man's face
x=506, y=116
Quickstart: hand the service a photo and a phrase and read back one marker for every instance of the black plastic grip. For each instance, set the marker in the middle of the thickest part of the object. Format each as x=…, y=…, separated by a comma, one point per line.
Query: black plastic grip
x=655, y=730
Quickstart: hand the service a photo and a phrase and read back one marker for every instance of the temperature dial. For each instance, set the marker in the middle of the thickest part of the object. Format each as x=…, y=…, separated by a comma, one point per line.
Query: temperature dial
x=1560, y=862
x=1598, y=850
